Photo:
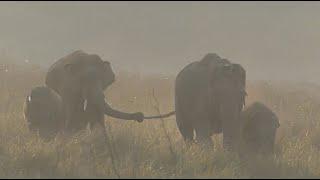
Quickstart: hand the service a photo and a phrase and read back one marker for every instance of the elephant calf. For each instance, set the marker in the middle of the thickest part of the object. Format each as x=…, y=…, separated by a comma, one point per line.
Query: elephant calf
x=43, y=112
x=259, y=126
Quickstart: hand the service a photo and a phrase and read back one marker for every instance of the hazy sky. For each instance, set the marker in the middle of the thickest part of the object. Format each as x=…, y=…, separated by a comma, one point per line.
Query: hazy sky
x=270, y=39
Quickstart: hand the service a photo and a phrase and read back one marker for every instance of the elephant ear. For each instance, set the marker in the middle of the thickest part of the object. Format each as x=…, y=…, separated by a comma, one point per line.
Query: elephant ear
x=106, y=66
x=218, y=71
x=239, y=73
x=276, y=120
x=278, y=124
x=228, y=69
x=239, y=76
x=106, y=74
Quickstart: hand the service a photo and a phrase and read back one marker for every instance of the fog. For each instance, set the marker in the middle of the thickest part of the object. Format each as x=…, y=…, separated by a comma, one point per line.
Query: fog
x=272, y=40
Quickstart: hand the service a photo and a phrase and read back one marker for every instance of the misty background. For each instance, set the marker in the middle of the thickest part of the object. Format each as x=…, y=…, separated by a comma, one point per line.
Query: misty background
x=272, y=40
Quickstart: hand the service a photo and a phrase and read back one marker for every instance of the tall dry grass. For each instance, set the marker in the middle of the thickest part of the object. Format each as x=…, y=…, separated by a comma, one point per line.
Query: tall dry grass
x=142, y=149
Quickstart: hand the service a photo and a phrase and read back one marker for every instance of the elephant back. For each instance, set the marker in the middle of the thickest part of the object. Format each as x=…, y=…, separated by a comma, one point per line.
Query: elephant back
x=257, y=113
x=197, y=73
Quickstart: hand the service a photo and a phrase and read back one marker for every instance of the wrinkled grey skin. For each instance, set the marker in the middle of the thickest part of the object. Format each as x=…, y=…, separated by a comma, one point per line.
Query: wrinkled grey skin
x=259, y=127
x=209, y=96
x=80, y=79
x=43, y=112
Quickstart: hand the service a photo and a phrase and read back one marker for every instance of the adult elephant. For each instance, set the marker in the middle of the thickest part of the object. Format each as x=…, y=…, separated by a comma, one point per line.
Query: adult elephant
x=209, y=96
x=80, y=79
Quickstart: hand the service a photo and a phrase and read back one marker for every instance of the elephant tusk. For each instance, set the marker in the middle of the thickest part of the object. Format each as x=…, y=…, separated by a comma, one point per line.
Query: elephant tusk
x=29, y=98
x=85, y=104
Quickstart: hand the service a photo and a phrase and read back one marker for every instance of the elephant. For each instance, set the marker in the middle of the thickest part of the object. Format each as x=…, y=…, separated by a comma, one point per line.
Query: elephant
x=259, y=127
x=43, y=112
x=209, y=96
x=81, y=79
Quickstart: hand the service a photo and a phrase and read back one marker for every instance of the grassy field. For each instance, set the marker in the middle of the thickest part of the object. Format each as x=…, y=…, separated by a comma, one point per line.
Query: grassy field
x=143, y=149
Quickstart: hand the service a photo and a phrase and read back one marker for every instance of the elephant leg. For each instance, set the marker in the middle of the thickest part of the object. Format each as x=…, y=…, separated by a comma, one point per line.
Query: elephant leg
x=185, y=129
x=202, y=124
x=231, y=131
x=203, y=133
x=267, y=144
x=98, y=126
x=98, y=130
x=228, y=142
x=272, y=141
x=95, y=119
x=69, y=114
x=184, y=122
x=188, y=134
x=75, y=118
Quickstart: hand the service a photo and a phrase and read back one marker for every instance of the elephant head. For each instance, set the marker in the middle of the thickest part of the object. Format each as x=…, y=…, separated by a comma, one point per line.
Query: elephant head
x=93, y=76
x=227, y=92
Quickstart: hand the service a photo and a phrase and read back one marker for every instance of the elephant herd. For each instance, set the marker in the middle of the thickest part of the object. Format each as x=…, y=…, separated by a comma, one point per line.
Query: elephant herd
x=209, y=99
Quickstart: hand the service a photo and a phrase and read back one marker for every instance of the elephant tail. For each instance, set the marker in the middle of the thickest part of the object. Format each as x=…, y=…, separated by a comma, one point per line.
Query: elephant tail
x=161, y=116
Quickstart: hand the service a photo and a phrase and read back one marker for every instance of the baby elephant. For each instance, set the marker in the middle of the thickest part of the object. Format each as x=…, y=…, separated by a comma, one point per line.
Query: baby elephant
x=43, y=112
x=259, y=128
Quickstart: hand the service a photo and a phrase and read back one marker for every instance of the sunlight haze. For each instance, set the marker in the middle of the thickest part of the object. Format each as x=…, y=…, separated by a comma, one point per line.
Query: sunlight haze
x=272, y=40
